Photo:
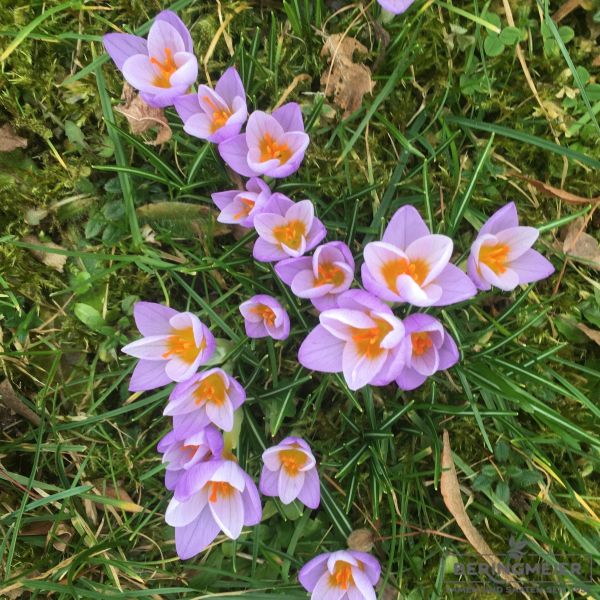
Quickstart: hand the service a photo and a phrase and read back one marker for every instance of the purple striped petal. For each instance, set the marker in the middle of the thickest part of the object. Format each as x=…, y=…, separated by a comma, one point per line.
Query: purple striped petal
x=148, y=375
x=312, y=571
x=197, y=536
x=405, y=227
x=504, y=218
x=532, y=266
x=121, y=46
x=310, y=494
x=321, y=351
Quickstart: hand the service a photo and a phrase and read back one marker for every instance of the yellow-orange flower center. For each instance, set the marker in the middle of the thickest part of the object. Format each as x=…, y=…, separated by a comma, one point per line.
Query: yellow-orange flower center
x=270, y=149
x=329, y=273
x=421, y=342
x=342, y=575
x=210, y=389
x=292, y=460
x=183, y=344
x=247, y=206
x=166, y=68
x=266, y=313
x=495, y=257
x=220, y=116
x=368, y=341
x=290, y=234
x=219, y=488
x=417, y=270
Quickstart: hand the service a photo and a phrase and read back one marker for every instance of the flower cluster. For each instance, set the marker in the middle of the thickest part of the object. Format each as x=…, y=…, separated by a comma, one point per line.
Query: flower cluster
x=359, y=334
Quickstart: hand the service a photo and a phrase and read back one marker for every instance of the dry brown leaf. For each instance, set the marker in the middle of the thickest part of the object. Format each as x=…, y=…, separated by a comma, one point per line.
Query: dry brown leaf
x=50, y=259
x=557, y=192
x=596, y=61
x=450, y=489
x=9, y=140
x=581, y=245
x=593, y=334
x=126, y=503
x=361, y=540
x=142, y=117
x=344, y=79
x=41, y=528
x=61, y=537
x=9, y=398
x=568, y=7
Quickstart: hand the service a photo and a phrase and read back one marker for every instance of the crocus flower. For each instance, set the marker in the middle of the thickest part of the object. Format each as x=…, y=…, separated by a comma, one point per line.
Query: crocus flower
x=428, y=348
x=362, y=339
x=208, y=397
x=322, y=277
x=240, y=207
x=290, y=472
x=273, y=145
x=215, y=115
x=213, y=496
x=286, y=229
x=265, y=317
x=181, y=452
x=174, y=345
x=342, y=575
x=161, y=68
x=396, y=7
x=412, y=265
x=501, y=256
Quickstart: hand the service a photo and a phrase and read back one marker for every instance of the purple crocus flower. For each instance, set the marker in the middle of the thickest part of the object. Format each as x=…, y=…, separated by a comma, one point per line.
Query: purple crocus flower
x=174, y=345
x=412, y=265
x=290, y=472
x=396, y=7
x=322, y=277
x=181, y=453
x=341, y=575
x=265, y=317
x=213, y=496
x=161, y=68
x=240, y=207
x=215, y=115
x=502, y=256
x=428, y=348
x=273, y=145
x=208, y=397
x=286, y=229
x=362, y=339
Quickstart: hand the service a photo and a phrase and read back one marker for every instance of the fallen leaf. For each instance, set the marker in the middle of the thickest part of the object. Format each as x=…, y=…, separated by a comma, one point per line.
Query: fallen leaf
x=124, y=500
x=450, y=489
x=9, y=140
x=34, y=216
x=41, y=528
x=361, y=540
x=344, y=79
x=61, y=537
x=142, y=117
x=593, y=334
x=557, y=192
x=49, y=258
x=568, y=7
x=581, y=245
x=9, y=398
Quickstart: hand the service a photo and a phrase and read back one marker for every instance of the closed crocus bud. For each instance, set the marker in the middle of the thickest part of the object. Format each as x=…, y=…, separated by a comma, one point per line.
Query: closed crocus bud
x=264, y=316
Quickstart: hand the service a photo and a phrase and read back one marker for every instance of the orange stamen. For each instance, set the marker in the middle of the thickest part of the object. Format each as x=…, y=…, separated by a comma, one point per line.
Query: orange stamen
x=368, y=341
x=495, y=257
x=417, y=270
x=290, y=234
x=292, y=460
x=270, y=149
x=329, y=273
x=210, y=389
x=247, y=207
x=421, y=342
x=266, y=313
x=342, y=575
x=220, y=116
x=183, y=344
x=167, y=68
x=217, y=488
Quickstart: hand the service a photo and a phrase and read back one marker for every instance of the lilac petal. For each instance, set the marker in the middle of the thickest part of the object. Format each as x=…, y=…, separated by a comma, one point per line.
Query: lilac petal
x=121, y=46
x=234, y=152
x=422, y=322
x=361, y=300
x=532, y=266
x=186, y=73
x=396, y=7
x=456, y=286
x=228, y=512
x=152, y=347
x=504, y=218
x=282, y=331
x=265, y=223
x=230, y=86
x=324, y=590
x=410, y=291
x=198, y=125
x=310, y=494
x=370, y=564
x=480, y=284
x=359, y=370
x=256, y=330
x=506, y=281
x=236, y=393
x=448, y=353
x=303, y=211
x=179, y=514
x=405, y=227
x=363, y=585
x=259, y=124
x=298, y=142
x=263, y=251
x=180, y=370
x=518, y=240
x=152, y=318
x=140, y=73
x=409, y=379
x=166, y=442
x=312, y=571
x=163, y=35
x=190, y=423
x=316, y=234
x=221, y=414
x=289, y=486
x=194, y=479
x=426, y=363
x=187, y=106
x=376, y=288
x=252, y=505
x=278, y=203
x=321, y=351
x=268, y=482
x=162, y=97
x=289, y=117
x=304, y=285
x=197, y=536
x=435, y=250
x=341, y=322
x=147, y=375
x=288, y=269
x=224, y=199
x=172, y=479
x=170, y=17
x=328, y=302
